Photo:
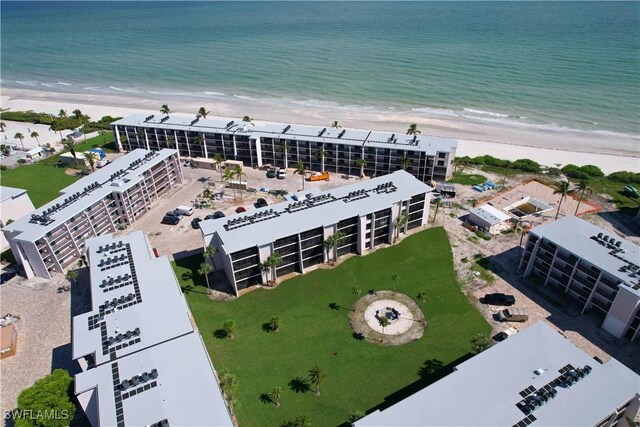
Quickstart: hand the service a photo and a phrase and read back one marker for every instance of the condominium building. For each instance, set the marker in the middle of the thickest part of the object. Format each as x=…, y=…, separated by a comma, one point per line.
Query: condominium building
x=428, y=158
x=536, y=377
x=115, y=196
x=365, y=213
x=143, y=360
x=14, y=204
x=599, y=270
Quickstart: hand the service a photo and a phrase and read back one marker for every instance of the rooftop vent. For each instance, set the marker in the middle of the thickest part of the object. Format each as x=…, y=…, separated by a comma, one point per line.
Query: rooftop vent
x=322, y=132
x=148, y=118
x=229, y=124
x=286, y=129
x=341, y=134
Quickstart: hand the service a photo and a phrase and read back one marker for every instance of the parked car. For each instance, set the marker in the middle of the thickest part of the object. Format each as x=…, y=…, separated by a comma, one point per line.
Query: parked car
x=240, y=209
x=271, y=173
x=171, y=219
x=218, y=214
x=6, y=276
x=209, y=217
x=184, y=210
x=282, y=173
x=261, y=203
x=102, y=163
x=195, y=223
x=513, y=315
x=503, y=335
x=499, y=299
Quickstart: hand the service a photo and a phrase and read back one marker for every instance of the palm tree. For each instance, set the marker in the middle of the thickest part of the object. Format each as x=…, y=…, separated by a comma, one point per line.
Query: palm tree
x=202, y=112
x=229, y=174
x=404, y=162
x=239, y=173
x=301, y=169
x=274, y=324
x=396, y=280
x=328, y=245
x=248, y=120
x=72, y=276
x=211, y=251
x=400, y=222
x=35, y=135
x=62, y=113
x=582, y=188
x=228, y=383
x=228, y=328
x=219, y=160
x=413, y=129
x=384, y=322
x=337, y=239
x=273, y=261
x=335, y=124
x=5, y=149
x=284, y=147
x=320, y=154
x=435, y=215
x=265, y=270
x=91, y=159
x=198, y=139
x=20, y=136
x=77, y=114
x=204, y=270
x=562, y=188
x=2, y=126
x=316, y=376
x=356, y=291
x=275, y=395
x=361, y=163
x=165, y=109
x=68, y=144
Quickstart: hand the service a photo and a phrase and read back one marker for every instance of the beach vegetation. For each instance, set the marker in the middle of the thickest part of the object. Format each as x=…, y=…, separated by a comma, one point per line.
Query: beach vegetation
x=315, y=334
x=164, y=109
x=247, y=119
x=20, y=136
x=36, y=136
x=335, y=124
x=202, y=112
x=413, y=129
x=526, y=165
x=467, y=179
x=47, y=395
x=60, y=123
x=625, y=177
x=582, y=172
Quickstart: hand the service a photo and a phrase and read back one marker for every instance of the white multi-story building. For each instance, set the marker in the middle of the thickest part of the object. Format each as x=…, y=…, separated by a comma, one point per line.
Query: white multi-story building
x=54, y=235
x=144, y=362
x=428, y=158
x=599, y=270
x=14, y=204
x=365, y=213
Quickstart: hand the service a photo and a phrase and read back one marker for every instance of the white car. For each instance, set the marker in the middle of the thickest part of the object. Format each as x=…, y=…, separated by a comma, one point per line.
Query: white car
x=501, y=336
x=282, y=173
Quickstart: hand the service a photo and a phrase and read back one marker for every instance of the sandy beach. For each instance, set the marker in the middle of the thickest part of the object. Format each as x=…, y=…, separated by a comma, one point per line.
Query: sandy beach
x=610, y=151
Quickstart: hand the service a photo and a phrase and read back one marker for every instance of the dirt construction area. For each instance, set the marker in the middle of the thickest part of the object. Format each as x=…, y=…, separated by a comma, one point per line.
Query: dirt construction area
x=177, y=241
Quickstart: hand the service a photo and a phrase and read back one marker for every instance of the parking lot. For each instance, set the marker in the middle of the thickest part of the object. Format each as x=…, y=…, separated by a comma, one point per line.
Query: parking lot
x=176, y=241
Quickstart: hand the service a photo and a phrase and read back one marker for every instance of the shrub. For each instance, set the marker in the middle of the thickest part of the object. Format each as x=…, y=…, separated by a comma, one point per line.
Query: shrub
x=573, y=171
x=3, y=168
x=489, y=161
x=625, y=177
x=592, y=171
x=554, y=171
x=526, y=165
x=22, y=161
x=48, y=394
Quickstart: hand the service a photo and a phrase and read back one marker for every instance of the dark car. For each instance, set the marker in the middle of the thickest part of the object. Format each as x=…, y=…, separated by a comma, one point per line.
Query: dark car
x=240, y=209
x=171, y=219
x=209, y=217
x=499, y=299
x=218, y=214
x=271, y=173
x=261, y=203
x=195, y=223
x=5, y=277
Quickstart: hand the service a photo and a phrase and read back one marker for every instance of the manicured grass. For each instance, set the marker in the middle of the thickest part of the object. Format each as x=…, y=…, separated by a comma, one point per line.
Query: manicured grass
x=359, y=375
x=624, y=203
x=467, y=179
x=43, y=180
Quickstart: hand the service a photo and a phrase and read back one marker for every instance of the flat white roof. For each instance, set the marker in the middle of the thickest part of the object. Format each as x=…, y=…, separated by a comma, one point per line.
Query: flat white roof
x=185, y=392
x=490, y=214
x=264, y=225
x=103, y=183
x=158, y=309
x=485, y=390
x=7, y=193
x=580, y=238
x=291, y=131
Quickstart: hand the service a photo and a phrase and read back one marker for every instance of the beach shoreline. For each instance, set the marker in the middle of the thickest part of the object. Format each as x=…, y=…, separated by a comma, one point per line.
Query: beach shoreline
x=610, y=151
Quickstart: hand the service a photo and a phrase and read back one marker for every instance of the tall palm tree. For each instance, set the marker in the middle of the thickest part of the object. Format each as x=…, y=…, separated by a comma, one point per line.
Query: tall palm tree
x=69, y=145
x=335, y=124
x=229, y=174
x=361, y=163
x=582, y=188
x=384, y=322
x=562, y=188
x=435, y=215
x=62, y=113
x=247, y=119
x=197, y=140
x=20, y=136
x=210, y=252
x=202, y=112
x=173, y=143
x=165, y=109
x=275, y=395
x=404, y=162
x=72, y=276
x=284, y=147
x=320, y=154
x=265, y=270
x=413, y=129
x=238, y=172
x=400, y=222
x=328, y=245
x=274, y=260
x=77, y=114
x=316, y=376
x=2, y=126
x=301, y=170
x=91, y=159
x=338, y=238
x=204, y=270
x=396, y=279
x=219, y=160
x=35, y=135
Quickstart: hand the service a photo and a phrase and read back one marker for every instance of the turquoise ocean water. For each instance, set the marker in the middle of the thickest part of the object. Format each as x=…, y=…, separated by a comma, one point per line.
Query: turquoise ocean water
x=556, y=64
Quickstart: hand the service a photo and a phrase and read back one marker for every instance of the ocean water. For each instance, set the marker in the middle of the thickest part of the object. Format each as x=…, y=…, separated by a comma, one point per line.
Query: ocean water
x=558, y=64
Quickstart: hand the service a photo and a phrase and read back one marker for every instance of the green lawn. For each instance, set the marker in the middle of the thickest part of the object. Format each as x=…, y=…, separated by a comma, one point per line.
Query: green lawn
x=359, y=375
x=624, y=203
x=43, y=180
x=467, y=179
